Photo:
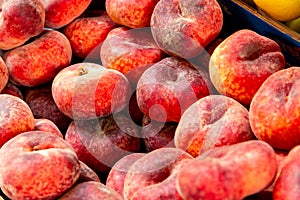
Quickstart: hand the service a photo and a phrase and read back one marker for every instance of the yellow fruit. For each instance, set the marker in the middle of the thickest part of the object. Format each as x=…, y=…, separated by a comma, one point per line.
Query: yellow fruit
x=294, y=24
x=282, y=10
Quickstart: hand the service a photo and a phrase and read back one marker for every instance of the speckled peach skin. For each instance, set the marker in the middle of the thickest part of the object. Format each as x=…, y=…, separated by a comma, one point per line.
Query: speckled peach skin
x=37, y=165
x=47, y=125
x=229, y=172
x=89, y=90
x=167, y=88
x=185, y=27
x=59, y=13
x=91, y=190
x=20, y=21
x=39, y=61
x=86, y=35
x=130, y=51
x=242, y=62
x=15, y=117
x=274, y=110
x=212, y=121
x=154, y=175
x=132, y=13
x=287, y=185
x=116, y=176
x=101, y=142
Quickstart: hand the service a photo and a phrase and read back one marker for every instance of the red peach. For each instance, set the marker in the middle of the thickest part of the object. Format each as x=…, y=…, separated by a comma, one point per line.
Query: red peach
x=20, y=21
x=169, y=87
x=242, y=62
x=287, y=185
x=41, y=102
x=274, y=110
x=61, y=12
x=133, y=14
x=40, y=60
x=212, y=121
x=116, y=176
x=100, y=143
x=130, y=51
x=154, y=175
x=88, y=90
x=86, y=35
x=3, y=75
x=15, y=117
x=87, y=174
x=47, y=125
x=37, y=165
x=229, y=172
x=156, y=135
x=185, y=27
x=12, y=89
x=91, y=190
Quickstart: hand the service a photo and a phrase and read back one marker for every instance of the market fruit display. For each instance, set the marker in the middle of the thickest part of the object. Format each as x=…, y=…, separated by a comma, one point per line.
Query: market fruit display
x=148, y=99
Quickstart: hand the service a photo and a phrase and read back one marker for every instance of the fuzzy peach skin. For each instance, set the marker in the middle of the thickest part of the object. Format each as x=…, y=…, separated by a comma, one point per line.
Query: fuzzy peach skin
x=4, y=75
x=229, y=172
x=91, y=190
x=39, y=61
x=132, y=13
x=15, y=117
x=20, y=21
x=157, y=134
x=287, y=185
x=242, y=62
x=154, y=175
x=37, y=165
x=212, y=121
x=86, y=34
x=116, y=176
x=89, y=90
x=43, y=106
x=87, y=174
x=47, y=125
x=274, y=110
x=59, y=13
x=185, y=27
x=100, y=143
x=12, y=89
x=167, y=88
x=130, y=51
